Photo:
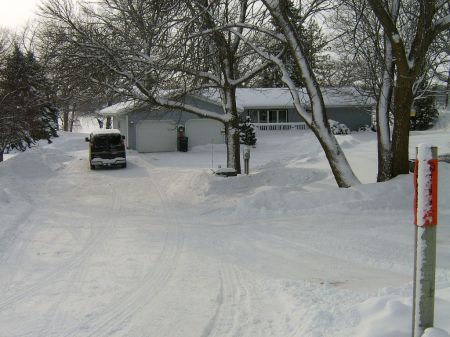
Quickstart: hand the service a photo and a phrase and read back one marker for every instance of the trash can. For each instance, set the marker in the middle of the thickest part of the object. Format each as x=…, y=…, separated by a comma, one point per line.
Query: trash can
x=182, y=144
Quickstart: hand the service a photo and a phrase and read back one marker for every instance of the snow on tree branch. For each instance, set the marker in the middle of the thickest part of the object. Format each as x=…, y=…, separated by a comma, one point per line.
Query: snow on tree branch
x=442, y=24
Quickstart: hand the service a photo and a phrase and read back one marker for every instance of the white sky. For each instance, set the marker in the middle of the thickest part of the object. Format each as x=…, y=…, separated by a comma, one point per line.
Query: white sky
x=14, y=14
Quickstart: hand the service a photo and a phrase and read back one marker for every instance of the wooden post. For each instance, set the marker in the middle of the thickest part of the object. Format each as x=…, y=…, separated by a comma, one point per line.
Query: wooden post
x=425, y=216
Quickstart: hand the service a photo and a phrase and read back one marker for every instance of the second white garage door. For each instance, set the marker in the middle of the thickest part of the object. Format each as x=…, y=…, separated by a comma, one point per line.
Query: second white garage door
x=156, y=136
x=204, y=131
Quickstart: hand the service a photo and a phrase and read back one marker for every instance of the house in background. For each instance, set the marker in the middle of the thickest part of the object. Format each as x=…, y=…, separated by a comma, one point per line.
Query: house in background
x=152, y=129
x=155, y=129
x=268, y=107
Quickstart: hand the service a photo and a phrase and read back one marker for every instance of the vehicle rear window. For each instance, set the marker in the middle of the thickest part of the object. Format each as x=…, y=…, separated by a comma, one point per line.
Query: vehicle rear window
x=105, y=141
x=115, y=139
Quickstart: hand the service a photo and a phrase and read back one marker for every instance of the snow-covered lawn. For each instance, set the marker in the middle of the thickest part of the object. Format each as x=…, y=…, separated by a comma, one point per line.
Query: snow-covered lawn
x=165, y=248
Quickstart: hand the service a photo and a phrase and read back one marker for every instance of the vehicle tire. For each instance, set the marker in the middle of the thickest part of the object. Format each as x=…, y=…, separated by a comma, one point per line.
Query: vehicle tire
x=92, y=167
x=124, y=165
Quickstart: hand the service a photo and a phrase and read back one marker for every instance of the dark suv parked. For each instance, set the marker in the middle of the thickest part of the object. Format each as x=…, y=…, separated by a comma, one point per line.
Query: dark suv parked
x=106, y=148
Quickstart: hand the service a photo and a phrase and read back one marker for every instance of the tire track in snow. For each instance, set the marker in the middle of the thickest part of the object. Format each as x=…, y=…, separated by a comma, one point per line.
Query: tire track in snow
x=11, y=235
x=78, y=268
x=233, y=315
x=66, y=266
x=122, y=310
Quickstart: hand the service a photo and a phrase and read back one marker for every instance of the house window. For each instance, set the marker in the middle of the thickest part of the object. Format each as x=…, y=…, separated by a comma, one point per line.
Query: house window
x=263, y=116
x=268, y=116
x=273, y=116
x=253, y=116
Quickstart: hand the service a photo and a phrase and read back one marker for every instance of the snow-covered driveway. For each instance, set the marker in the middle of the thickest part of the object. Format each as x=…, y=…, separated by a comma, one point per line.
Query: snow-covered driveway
x=169, y=250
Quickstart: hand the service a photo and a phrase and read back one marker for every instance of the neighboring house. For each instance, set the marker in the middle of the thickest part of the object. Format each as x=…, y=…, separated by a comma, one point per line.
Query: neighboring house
x=152, y=129
x=441, y=95
x=275, y=106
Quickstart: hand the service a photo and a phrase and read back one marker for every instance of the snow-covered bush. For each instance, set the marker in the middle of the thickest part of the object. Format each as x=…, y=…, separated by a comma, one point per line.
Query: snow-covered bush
x=364, y=128
x=339, y=128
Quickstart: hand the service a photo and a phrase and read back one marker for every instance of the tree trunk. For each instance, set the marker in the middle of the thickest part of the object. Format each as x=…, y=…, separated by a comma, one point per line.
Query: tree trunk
x=108, y=122
x=232, y=135
x=383, y=134
x=233, y=146
x=1, y=155
x=410, y=58
x=66, y=121
x=383, y=108
x=342, y=172
x=72, y=119
x=447, y=93
x=384, y=160
x=400, y=135
x=340, y=167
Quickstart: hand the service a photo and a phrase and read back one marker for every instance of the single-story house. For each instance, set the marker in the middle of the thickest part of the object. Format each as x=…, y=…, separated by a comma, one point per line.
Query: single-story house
x=153, y=129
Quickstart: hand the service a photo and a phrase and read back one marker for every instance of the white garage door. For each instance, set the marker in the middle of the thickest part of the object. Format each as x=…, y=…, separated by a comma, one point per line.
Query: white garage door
x=156, y=136
x=204, y=131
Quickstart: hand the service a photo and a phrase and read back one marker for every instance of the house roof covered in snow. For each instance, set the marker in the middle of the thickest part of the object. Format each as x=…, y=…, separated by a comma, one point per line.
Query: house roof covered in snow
x=254, y=98
x=250, y=98
x=118, y=109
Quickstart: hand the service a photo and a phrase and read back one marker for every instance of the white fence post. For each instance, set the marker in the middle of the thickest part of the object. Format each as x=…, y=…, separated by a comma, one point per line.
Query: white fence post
x=425, y=216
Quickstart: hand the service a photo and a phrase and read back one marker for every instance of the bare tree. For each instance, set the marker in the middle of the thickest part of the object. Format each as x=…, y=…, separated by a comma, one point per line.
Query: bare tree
x=285, y=31
x=366, y=41
x=317, y=119
x=77, y=92
x=427, y=20
x=215, y=58
x=158, y=51
x=362, y=40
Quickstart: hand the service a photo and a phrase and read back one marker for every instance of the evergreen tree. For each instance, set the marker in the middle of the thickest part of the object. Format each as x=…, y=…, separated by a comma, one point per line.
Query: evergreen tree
x=247, y=132
x=26, y=113
x=426, y=113
x=46, y=121
x=314, y=43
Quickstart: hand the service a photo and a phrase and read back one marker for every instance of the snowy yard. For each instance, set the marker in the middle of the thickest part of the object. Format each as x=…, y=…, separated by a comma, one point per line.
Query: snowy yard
x=164, y=248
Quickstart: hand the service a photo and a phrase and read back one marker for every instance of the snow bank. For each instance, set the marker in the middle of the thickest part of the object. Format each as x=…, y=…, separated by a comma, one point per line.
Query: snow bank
x=390, y=316
x=435, y=332
x=443, y=123
x=387, y=316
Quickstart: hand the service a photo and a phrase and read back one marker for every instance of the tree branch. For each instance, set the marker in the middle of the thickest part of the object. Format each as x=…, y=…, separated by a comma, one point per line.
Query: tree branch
x=392, y=34
x=441, y=25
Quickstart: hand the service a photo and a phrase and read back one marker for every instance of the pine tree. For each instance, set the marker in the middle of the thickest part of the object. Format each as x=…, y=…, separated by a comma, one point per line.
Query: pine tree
x=314, y=44
x=46, y=122
x=426, y=113
x=248, y=136
x=27, y=113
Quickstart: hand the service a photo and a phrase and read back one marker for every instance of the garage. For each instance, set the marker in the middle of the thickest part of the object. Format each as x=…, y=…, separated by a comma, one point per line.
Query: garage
x=156, y=136
x=204, y=131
